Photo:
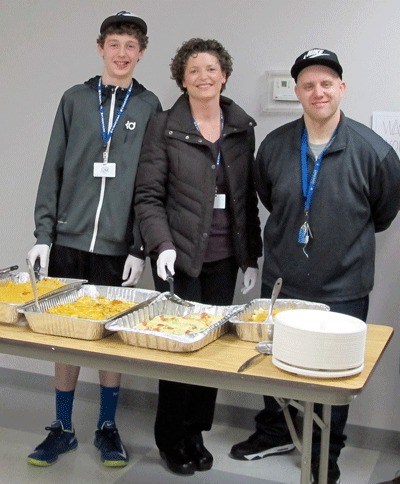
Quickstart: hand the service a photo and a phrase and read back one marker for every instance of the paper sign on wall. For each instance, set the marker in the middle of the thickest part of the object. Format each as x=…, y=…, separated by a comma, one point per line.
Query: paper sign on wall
x=387, y=125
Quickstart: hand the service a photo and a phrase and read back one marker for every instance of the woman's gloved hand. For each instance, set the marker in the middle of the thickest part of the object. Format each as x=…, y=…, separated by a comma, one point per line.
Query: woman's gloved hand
x=249, y=279
x=166, y=260
x=133, y=270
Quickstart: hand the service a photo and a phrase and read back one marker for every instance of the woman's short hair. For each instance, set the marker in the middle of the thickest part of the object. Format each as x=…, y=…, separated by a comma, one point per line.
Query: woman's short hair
x=196, y=46
x=121, y=29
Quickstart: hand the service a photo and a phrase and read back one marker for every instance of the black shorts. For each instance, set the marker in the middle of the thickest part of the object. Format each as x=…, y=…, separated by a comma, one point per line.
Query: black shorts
x=98, y=269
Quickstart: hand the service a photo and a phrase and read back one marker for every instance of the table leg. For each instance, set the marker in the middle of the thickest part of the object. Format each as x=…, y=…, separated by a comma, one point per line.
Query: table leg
x=284, y=403
x=305, y=446
x=324, y=449
x=307, y=441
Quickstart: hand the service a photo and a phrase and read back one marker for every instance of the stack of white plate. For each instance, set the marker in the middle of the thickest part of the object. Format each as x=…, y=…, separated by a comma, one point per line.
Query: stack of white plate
x=319, y=343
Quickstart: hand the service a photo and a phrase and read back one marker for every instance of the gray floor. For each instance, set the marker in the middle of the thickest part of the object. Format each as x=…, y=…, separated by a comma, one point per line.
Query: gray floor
x=26, y=408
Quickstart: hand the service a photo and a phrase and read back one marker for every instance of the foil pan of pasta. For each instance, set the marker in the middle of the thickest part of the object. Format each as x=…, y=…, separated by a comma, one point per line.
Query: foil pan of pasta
x=83, y=313
x=170, y=326
x=249, y=324
x=16, y=292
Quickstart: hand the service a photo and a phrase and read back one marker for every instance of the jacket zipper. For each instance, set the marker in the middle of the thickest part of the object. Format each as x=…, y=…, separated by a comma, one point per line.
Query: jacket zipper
x=103, y=179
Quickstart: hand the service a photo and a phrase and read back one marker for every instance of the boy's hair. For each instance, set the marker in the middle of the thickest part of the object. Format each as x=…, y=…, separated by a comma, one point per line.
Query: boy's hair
x=196, y=46
x=121, y=29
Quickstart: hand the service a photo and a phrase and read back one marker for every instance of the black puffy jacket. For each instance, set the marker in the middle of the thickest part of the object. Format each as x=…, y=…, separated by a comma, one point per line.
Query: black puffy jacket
x=176, y=181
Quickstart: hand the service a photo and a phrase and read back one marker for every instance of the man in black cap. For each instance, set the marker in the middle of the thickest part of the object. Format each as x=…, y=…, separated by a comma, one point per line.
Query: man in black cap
x=84, y=209
x=329, y=183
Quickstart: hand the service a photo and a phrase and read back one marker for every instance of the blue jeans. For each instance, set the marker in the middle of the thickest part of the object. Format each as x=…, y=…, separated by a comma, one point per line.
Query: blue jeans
x=184, y=410
x=271, y=421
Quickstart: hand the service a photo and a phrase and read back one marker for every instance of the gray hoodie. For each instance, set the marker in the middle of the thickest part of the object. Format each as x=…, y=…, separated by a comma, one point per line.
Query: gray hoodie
x=74, y=208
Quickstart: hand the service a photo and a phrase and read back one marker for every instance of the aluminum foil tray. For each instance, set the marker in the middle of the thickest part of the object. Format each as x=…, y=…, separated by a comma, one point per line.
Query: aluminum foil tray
x=10, y=312
x=259, y=331
x=80, y=328
x=126, y=326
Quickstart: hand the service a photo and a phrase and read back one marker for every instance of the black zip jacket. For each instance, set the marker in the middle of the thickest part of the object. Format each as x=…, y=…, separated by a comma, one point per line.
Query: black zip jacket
x=175, y=185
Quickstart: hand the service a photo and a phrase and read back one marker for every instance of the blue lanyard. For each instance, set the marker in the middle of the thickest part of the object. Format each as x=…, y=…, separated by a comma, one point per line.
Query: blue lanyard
x=107, y=135
x=196, y=124
x=308, y=185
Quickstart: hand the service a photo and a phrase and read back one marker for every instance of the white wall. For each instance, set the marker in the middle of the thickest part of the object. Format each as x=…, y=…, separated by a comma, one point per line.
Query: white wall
x=49, y=45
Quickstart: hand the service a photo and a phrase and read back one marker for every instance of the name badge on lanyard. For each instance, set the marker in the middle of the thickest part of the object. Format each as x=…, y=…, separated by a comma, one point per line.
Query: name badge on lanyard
x=220, y=200
x=106, y=169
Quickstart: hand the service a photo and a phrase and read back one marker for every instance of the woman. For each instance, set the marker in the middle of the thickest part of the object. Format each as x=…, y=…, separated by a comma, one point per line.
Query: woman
x=197, y=210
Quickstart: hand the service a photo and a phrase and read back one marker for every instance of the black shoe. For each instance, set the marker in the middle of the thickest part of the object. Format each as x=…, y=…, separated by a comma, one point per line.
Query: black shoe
x=178, y=460
x=107, y=440
x=258, y=446
x=56, y=443
x=333, y=472
x=201, y=457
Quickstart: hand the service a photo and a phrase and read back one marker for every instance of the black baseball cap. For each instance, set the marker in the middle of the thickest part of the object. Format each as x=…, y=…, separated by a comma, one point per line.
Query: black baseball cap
x=316, y=57
x=124, y=17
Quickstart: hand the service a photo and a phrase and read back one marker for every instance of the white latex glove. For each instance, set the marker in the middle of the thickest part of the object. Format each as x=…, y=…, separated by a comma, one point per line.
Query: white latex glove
x=133, y=269
x=41, y=252
x=166, y=259
x=249, y=279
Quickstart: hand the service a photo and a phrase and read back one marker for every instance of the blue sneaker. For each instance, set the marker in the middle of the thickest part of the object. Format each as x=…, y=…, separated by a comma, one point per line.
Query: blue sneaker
x=57, y=442
x=107, y=440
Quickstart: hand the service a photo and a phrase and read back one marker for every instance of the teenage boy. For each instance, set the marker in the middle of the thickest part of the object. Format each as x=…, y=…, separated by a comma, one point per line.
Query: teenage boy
x=84, y=209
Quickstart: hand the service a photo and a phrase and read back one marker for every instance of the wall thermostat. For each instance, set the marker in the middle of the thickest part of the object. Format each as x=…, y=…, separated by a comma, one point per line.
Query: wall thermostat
x=283, y=89
x=279, y=95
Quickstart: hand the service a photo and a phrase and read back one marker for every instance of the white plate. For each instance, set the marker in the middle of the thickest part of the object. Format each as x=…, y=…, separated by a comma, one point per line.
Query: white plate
x=317, y=373
x=319, y=340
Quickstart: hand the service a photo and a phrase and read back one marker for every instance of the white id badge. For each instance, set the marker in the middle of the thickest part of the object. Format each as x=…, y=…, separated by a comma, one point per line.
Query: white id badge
x=220, y=200
x=106, y=170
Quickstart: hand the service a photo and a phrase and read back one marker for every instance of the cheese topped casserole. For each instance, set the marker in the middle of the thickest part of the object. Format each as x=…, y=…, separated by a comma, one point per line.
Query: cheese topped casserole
x=17, y=293
x=86, y=307
x=259, y=315
x=175, y=324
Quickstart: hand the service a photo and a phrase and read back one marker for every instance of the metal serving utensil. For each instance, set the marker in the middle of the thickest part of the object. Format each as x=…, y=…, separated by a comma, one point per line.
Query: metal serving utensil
x=134, y=308
x=263, y=348
x=36, y=270
x=4, y=272
x=170, y=280
x=275, y=293
x=173, y=297
x=32, y=277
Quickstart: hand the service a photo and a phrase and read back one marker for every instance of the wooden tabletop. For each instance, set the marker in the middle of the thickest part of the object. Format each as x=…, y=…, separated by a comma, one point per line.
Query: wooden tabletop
x=214, y=365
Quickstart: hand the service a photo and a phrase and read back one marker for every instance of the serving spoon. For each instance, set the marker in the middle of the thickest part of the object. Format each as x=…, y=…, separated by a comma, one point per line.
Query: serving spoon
x=32, y=277
x=176, y=299
x=263, y=348
x=274, y=296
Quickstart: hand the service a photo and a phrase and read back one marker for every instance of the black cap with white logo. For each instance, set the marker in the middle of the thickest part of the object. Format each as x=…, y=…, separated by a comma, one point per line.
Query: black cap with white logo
x=124, y=17
x=316, y=57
